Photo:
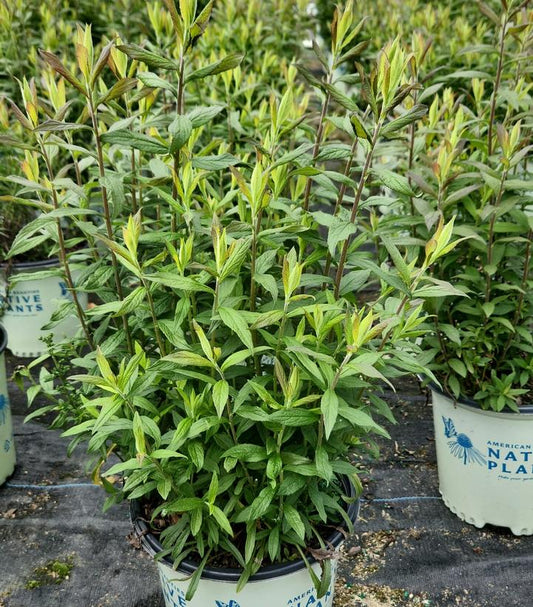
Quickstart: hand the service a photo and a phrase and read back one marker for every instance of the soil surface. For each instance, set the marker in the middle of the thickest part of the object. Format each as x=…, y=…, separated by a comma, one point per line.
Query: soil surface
x=58, y=549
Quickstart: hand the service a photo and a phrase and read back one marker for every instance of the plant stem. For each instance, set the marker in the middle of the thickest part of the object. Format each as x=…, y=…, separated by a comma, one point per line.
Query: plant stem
x=355, y=207
x=340, y=197
x=496, y=85
x=158, y=336
x=63, y=253
x=107, y=216
x=318, y=141
x=179, y=111
x=490, y=244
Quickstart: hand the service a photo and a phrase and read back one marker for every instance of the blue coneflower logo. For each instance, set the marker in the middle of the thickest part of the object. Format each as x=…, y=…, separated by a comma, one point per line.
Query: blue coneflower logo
x=461, y=446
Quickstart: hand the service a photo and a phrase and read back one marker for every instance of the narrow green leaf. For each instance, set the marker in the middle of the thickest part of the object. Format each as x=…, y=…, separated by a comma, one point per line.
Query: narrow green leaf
x=234, y=320
x=294, y=520
x=329, y=405
x=220, y=396
x=134, y=51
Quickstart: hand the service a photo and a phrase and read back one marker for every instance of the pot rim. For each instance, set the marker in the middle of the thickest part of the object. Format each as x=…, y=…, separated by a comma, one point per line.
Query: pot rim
x=153, y=547
x=3, y=339
x=469, y=402
x=30, y=265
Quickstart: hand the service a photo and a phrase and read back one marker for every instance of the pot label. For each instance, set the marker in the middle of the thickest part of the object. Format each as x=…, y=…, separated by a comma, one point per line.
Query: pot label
x=309, y=599
x=510, y=461
x=23, y=303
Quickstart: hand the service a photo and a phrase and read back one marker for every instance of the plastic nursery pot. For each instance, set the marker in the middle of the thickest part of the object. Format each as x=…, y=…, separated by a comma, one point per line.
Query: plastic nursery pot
x=29, y=305
x=286, y=584
x=7, y=444
x=485, y=463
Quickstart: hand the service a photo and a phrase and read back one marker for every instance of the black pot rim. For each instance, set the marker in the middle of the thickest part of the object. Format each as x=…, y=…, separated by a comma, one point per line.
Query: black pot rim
x=469, y=402
x=153, y=547
x=3, y=339
x=31, y=265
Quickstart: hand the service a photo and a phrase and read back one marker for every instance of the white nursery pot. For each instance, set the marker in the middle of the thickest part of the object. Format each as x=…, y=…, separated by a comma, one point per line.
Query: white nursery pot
x=283, y=590
x=7, y=444
x=485, y=463
x=284, y=585
x=29, y=306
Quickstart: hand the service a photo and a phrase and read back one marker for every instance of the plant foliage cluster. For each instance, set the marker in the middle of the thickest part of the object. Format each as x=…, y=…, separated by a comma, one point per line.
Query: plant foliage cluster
x=264, y=232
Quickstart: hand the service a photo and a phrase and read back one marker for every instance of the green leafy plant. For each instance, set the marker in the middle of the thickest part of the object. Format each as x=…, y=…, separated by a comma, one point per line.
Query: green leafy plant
x=229, y=362
x=479, y=175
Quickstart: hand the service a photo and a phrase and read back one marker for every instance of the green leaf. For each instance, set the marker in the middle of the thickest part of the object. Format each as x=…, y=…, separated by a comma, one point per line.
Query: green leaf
x=294, y=417
x=397, y=259
x=202, y=115
x=221, y=519
x=196, y=454
x=415, y=113
x=329, y=405
x=261, y=503
x=505, y=322
x=268, y=318
x=394, y=181
x=292, y=155
x=488, y=308
x=135, y=140
x=238, y=357
x=118, y=89
x=268, y=283
x=238, y=253
x=151, y=59
x=155, y=82
x=274, y=466
x=323, y=466
x=214, y=163
x=273, y=543
x=440, y=288
x=56, y=126
x=187, y=359
x=180, y=129
x=246, y=453
x=458, y=366
x=185, y=504
x=222, y=65
x=175, y=281
x=165, y=454
x=339, y=231
x=220, y=396
x=294, y=520
x=341, y=98
x=451, y=332
x=234, y=320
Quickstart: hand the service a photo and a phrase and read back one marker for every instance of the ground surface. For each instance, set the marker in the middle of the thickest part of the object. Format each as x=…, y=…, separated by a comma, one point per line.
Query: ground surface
x=57, y=548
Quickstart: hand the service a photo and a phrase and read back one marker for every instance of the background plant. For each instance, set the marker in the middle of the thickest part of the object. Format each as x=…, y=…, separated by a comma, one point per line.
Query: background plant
x=479, y=174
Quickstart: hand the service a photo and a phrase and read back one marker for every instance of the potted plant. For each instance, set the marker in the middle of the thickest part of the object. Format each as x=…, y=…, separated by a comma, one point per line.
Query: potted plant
x=37, y=298
x=230, y=364
x=479, y=177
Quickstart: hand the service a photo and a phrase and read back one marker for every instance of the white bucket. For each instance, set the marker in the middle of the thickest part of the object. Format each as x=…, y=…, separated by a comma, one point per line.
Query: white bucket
x=30, y=305
x=284, y=585
x=7, y=444
x=485, y=463
x=290, y=590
